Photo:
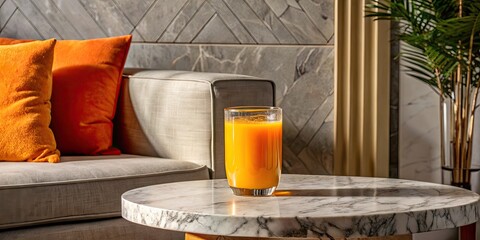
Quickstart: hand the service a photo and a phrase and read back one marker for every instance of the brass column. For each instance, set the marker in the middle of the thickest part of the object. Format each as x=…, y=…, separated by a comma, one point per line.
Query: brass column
x=362, y=91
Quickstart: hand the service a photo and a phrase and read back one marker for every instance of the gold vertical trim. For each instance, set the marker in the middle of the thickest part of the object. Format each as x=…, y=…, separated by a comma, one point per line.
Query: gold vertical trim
x=362, y=91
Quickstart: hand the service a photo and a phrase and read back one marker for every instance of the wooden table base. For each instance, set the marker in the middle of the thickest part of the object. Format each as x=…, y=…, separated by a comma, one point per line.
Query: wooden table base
x=191, y=236
x=468, y=232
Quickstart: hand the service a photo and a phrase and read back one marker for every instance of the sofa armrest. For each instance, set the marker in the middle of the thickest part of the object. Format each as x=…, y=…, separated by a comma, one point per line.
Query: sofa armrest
x=179, y=114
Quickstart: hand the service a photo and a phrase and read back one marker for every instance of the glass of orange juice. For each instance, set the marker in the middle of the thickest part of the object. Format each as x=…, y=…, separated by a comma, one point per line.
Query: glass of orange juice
x=253, y=149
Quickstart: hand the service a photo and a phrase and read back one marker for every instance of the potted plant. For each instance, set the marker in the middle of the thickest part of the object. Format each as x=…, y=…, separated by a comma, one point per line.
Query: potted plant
x=441, y=47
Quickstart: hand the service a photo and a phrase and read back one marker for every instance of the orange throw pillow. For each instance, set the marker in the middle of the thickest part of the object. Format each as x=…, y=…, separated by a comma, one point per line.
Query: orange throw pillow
x=87, y=77
x=25, y=90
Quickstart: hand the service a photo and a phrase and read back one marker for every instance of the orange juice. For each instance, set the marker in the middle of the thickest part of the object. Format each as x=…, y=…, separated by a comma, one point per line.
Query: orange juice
x=253, y=153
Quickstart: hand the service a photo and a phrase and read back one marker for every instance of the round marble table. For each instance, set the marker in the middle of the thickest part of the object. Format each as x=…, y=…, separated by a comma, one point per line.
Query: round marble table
x=304, y=206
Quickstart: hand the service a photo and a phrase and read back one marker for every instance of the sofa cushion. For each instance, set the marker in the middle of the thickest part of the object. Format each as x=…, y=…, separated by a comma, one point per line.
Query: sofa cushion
x=25, y=90
x=87, y=77
x=81, y=187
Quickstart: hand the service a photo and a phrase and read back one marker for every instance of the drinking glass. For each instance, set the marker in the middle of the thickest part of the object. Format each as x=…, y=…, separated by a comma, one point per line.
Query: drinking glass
x=253, y=149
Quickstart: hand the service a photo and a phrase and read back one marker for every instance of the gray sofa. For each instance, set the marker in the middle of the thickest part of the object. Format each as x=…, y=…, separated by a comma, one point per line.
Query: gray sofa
x=169, y=127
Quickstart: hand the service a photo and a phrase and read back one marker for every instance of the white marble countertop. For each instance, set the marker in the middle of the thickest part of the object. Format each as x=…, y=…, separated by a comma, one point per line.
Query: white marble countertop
x=304, y=206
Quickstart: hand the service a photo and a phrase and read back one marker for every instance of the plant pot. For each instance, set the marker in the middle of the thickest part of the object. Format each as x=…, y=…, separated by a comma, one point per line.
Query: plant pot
x=456, y=144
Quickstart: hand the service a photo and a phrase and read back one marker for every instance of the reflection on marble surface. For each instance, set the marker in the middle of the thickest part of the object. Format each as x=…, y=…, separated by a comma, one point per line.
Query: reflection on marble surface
x=304, y=89
x=304, y=206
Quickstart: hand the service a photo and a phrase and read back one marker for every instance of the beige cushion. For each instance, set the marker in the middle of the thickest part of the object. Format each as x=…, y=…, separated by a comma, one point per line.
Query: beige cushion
x=81, y=187
x=179, y=114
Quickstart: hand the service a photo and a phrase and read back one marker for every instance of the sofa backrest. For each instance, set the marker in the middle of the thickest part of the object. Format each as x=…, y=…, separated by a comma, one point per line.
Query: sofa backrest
x=157, y=117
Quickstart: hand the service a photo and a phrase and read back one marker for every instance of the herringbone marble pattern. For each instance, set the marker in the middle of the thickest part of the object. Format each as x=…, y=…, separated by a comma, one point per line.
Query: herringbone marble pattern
x=288, y=41
x=168, y=21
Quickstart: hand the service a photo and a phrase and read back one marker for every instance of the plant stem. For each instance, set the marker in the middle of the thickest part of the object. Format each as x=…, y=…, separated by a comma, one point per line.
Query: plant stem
x=472, y=111
x=471, y=128
x=459, y=115
x=460, y=8
x=442, y=115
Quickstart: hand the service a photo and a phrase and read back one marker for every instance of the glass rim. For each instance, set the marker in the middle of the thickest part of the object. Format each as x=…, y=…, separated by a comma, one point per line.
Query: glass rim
x=251, y=108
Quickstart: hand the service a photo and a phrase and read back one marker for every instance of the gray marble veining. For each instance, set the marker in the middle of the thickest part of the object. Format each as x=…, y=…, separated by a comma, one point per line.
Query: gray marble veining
x=304, y=206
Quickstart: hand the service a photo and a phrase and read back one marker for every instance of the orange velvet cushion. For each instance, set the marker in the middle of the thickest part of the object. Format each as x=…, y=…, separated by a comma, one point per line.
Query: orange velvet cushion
x=25, y=90
x=87, y=76
x=86, y=82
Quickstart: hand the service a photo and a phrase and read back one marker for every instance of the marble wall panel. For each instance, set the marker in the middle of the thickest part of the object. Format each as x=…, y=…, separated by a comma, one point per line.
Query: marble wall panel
x=108, y=16
x=298, y=22
x=321, y=12
x=38, y=20
x=419, y=132
x=232, y=21
x=273, y=63
x=231, y=36
x=78, y=14
x=7, y=8
x=305, y=22
x=160, y=56
x=18, y=26
x=304, y=81
x=181, y=20
x=217, y=27
x=272, y=22
x=158, y=18
x=133, y=10
x=252, y=22
x=196, y=24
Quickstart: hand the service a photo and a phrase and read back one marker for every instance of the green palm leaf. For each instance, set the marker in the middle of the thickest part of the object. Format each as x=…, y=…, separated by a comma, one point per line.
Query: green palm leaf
x=438, y=41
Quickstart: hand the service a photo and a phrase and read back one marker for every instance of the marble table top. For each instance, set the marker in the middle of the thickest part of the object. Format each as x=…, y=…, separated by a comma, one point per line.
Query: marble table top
x=304, y=206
